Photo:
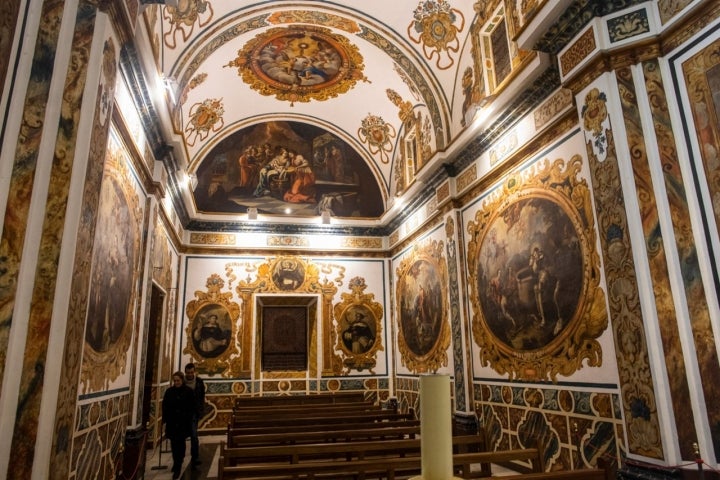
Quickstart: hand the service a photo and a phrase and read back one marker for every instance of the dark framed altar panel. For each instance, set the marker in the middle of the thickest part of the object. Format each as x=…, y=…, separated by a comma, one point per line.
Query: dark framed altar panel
x=284, y=333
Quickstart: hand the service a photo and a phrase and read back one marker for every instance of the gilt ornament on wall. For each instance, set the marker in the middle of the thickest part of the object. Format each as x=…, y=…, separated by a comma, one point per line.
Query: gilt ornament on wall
x=422, y=309
x=212, y=317
x=358, y=328
x=534, y=280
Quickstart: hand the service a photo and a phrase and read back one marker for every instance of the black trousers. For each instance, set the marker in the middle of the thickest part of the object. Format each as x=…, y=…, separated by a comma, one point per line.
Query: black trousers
x=177, y=446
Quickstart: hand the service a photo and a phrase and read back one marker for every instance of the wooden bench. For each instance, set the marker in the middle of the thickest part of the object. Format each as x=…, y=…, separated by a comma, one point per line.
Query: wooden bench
x=331, y=451
x=372, y=468
x=358, y=417
x=234, y=431
x=363, y=433
x=324, y=411
x=315, y=407
x=581, y=474
x=321, y=398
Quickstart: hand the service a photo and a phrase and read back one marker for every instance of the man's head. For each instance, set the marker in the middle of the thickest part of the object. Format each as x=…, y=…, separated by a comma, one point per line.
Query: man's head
x=190, y=372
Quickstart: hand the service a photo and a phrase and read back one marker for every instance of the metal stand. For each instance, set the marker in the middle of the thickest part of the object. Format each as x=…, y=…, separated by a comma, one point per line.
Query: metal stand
x=159, y=466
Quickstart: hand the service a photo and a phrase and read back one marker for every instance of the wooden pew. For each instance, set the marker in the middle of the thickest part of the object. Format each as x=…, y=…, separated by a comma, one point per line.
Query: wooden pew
x=290, y=429
x=359, y=469
x=324, y=411
x=322, y=398
x=357, y=417
x=362, y=433
x=582, y=474
x=303, y=409
x=330, y=451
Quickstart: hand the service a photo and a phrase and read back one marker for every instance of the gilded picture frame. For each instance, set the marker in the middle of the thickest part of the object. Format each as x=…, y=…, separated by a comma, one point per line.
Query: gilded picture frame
x=533, y=274
x=358, y=328
x=422, y=309
x=114, y=276
x=210, y=330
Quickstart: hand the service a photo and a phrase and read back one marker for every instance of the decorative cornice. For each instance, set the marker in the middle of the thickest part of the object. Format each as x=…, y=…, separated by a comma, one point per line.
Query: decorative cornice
x=576, y=16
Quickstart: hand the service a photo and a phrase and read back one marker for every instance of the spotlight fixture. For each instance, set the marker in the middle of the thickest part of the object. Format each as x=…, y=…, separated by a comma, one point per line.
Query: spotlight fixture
x=325, y=215
x=252, y=213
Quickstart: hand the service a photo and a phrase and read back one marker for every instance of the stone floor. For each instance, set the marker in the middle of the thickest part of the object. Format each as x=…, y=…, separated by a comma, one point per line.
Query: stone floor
x=158, y=464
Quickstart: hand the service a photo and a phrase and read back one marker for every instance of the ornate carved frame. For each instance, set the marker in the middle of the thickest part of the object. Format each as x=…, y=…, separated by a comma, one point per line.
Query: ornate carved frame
x=436, y=357
x=352, y=302
x=576, y=342
x=213, y=296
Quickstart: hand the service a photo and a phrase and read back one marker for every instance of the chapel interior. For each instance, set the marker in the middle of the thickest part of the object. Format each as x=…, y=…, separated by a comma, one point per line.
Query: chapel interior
x=308, y=197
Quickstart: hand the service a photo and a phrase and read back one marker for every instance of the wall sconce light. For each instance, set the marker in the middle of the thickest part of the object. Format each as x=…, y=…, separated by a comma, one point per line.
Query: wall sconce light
x=325, y=216
x=252, y=213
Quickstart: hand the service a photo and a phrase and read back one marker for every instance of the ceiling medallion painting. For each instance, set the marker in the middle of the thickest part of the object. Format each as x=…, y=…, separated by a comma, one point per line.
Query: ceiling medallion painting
x=422, y=309
x=183, y=17
x=359, y=327
x=534, y=279
x=300, y=64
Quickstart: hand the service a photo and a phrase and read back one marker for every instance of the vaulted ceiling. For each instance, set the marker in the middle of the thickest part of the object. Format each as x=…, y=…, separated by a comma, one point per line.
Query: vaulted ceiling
x=361, y=105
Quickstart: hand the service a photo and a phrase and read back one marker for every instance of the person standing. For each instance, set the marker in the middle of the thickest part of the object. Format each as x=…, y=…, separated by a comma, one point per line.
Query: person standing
x=178, y=408
x=197, y=385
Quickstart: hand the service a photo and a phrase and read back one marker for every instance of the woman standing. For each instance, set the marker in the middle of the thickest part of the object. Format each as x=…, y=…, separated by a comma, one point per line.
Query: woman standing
x=177, y=413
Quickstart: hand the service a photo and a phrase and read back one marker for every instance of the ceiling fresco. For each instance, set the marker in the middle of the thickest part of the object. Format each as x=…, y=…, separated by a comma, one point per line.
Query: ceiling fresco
x=394, y=85
x=287, y=168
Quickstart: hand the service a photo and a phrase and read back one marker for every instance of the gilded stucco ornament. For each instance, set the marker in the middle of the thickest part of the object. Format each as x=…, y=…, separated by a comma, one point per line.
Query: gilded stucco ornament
x=182, y=19
x=533, y=271
x=203, y=118
x=422, y=309
x=358, y=327
x=378, y=134
x=212, y=319
x=596, y=122
x=434, y=27
x=291, y=275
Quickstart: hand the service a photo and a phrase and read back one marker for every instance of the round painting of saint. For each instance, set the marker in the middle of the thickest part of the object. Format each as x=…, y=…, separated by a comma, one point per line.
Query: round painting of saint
x=358, y=330
x=420, y=307
x=530, y=273
x=211, y=330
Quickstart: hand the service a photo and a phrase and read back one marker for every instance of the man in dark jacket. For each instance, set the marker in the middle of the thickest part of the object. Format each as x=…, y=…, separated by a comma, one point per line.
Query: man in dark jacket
x=177, y=413
x=198, y=387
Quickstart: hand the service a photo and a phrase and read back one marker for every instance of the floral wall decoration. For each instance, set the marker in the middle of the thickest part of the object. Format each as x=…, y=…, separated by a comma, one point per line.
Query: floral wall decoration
x=434, y=26
x=378, y=135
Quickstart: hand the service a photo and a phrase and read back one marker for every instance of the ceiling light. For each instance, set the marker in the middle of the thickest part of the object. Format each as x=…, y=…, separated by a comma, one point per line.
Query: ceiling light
x=288, y=211
x=252, y=213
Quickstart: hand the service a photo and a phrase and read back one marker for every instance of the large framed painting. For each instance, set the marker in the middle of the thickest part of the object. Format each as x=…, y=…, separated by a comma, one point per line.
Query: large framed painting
x=422, y=309
x=210, y=338
x=276, y=167
x=534, y=279
x=358, y=328
x=114, y=275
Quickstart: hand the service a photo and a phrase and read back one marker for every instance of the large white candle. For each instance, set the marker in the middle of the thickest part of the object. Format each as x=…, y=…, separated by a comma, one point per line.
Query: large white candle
x=435, y=427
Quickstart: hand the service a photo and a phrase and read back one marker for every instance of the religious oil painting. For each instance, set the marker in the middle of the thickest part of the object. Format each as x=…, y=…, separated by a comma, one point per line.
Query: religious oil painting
x=113, y=287
x=276, y=167
x=211, y=330
x=211, y=316
x=534, y=282
x=422, y=305
x=299, y=64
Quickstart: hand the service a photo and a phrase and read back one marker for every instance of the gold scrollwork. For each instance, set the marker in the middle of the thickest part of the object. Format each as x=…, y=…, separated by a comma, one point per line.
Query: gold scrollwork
x=289, y=274
x=211, y=320
x=534, y=280
x=359, y=327
x=422, y=309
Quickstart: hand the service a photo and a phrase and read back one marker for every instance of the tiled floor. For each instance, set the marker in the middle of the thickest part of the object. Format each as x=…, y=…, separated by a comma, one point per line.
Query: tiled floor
x=158, y=464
